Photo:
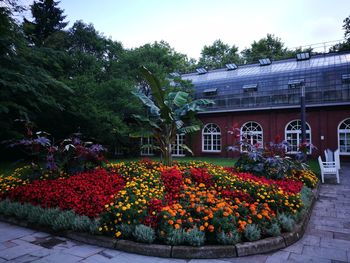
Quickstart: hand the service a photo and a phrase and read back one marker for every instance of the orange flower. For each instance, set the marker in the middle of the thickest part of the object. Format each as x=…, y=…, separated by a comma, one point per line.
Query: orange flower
x=211, y=228
x=177, y=226
x=259, y=216
x=179, y=221
x=201, y=228
x=170, y=222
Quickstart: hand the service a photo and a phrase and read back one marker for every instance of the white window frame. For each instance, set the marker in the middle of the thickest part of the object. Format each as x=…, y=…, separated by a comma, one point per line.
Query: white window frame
x=176, y=149
x=254, y=134
x=212, y=137
x=146, y=151
x=345, y=132
x=297, y=132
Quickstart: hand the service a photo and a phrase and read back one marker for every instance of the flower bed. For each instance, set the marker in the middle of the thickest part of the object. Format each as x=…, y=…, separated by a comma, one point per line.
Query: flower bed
x=189, y=203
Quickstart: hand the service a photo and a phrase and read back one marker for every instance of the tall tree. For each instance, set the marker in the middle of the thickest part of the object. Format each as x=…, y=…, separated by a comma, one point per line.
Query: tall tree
x=269, y=47
x=345, y=45
x=48, y=20
x=218, y=54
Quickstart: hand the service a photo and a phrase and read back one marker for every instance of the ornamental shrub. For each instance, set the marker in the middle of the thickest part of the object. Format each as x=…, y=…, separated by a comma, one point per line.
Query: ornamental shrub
x=48, y=216
x=64, y=220
x=4, y=204
x=195, y=237
x=286, y=222
x=126, y=230
x=228, y=238
x=22, y=210
x=81, y=223
x=273, y=230
x=34, y=213
x=144, y=234
x=176, y=237
x=252, y=232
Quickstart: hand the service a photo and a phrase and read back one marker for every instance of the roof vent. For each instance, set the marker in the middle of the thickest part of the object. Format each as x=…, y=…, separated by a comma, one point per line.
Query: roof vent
x=201, y=70
x=303, y=56
x=295, y=83
x=250, y=87
x=345, y=78
x=264, y=61
x=231, y=66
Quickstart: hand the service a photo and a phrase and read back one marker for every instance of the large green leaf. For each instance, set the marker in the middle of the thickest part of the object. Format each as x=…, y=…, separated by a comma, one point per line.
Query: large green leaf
x=185, y=147
x=154, y=110
x=146, y=120
x=189, y=129
x=157, y=93
x=179, y=98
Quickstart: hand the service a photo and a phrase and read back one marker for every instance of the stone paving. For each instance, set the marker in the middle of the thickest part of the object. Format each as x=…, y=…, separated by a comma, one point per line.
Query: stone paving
x=327, y=238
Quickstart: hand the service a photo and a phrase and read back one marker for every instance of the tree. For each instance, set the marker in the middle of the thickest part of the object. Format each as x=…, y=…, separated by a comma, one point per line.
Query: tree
x=270, y=47
x=48, y=20
x=169, y=113
x=218, y=54
x=343, y=46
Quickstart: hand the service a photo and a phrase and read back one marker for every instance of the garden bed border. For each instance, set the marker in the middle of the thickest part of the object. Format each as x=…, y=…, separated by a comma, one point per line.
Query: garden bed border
x=185, y=252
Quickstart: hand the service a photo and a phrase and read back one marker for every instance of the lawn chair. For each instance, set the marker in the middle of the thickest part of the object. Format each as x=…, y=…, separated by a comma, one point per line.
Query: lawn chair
x=328, y=154
x=337, y=159
x=328, y=168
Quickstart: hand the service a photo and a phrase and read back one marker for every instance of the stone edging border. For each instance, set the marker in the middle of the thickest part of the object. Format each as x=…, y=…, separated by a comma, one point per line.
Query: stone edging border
x=186, y=252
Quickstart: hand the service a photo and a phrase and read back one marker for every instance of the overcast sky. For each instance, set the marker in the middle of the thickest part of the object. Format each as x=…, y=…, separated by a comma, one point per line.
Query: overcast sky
x=188, y=25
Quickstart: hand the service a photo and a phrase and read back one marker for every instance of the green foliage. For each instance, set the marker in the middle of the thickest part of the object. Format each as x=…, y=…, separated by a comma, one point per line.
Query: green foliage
x=195, y=237
x=64, y=221
x=218, y=54
x=273, y=230
x=176, y=237
x=81, y=223
x=169, y=113
x=4, y=204
x=48, y=215
x=35, y=213
x=252, y=232
x=22, y=210
x=126, y=230
x=144, y=234
x=306, y=196
x=228, y=238
x=286, y=222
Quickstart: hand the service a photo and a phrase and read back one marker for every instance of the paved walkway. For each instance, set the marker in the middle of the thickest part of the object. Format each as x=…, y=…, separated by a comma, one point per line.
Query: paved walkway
x=327, y=238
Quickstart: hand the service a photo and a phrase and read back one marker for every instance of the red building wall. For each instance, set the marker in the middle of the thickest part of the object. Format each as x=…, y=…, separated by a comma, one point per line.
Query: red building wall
x=324, y=121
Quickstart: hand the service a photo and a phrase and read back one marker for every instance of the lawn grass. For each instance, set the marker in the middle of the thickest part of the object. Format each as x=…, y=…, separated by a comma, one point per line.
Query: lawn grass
x=6, y=168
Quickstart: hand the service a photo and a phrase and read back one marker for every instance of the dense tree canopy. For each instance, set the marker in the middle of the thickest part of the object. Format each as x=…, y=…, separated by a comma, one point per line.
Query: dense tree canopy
x=218, y=54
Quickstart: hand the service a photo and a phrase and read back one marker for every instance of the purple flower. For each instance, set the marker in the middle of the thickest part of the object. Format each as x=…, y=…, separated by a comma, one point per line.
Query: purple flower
x=43, y=141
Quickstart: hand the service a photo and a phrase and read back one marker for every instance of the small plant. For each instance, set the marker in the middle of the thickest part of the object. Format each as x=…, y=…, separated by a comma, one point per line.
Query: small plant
x=306, y=196
x=229, y=238
x=252, y=232
x=64, y=221
x=48, y=216
x=81, y=223
x=176, y=237
x=195, y=237
x=273, y=230
x=144, y=234
x=22, y=210
x=126, y=230
x=93, y=228
x=11, y=209
x=286, y=222
x=34, y=214
x=4, y=204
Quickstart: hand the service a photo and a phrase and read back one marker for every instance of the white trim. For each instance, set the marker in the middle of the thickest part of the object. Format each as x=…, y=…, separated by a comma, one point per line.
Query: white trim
x=211, y=139
x=253, y=134
x=338, y=137
x=298, y=133
x=179, y=152
x=146, y=151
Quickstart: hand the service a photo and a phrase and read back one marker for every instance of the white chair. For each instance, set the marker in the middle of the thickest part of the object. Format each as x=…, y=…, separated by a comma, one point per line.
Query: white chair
x=337, y=159
x=328, y=168
x=328, y=154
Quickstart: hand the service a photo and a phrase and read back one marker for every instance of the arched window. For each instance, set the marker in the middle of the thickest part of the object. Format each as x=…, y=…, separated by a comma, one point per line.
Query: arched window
x=211, y=138
x=344, y=137
x=252, y=133
x=176, y=149
x=293, y=135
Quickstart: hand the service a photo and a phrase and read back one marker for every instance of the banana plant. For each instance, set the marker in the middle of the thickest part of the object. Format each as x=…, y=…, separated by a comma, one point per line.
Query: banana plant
x=169, y=113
